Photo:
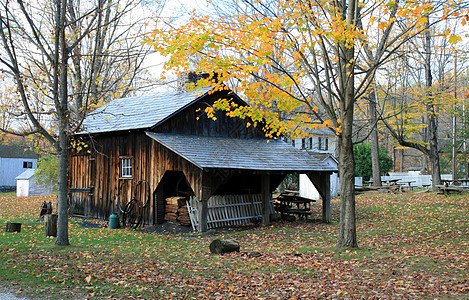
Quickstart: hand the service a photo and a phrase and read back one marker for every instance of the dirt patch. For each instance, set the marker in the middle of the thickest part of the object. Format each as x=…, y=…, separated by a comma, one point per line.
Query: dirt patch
x=167, y=228
x=170, y=228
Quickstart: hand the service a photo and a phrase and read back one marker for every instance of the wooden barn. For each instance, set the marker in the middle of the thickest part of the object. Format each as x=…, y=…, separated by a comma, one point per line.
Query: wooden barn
x=138, y=152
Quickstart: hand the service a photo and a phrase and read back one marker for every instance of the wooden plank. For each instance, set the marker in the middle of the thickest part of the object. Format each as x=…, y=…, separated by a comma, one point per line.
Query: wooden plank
x=80, y=190
x=238, y=219
x=228, y=210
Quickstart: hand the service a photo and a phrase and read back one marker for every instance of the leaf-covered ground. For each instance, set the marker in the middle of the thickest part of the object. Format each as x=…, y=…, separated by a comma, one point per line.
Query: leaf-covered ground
x=411, y=246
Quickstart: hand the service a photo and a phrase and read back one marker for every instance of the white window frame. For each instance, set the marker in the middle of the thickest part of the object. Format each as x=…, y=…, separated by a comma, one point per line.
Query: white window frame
x=126, y=167
x=323, y=143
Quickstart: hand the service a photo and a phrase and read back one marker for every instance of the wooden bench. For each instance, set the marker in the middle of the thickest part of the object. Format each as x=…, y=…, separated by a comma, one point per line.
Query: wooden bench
x=389, y=188
x=293, y=205
x=446, y=189
x=302, y=214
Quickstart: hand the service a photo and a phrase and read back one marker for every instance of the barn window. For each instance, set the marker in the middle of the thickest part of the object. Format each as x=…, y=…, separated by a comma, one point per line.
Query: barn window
x=323, y=143
x=126, y=167
x=308, y=143
x=27, y=164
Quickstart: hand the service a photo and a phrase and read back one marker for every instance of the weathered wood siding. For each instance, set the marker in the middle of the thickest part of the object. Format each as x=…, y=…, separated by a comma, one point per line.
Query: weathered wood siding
x=101, y=171
x=194, y=121
x=95, y=177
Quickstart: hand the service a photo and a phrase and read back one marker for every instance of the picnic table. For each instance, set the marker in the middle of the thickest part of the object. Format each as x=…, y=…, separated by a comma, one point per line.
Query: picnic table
x=409, y=182
x=294, y=205
x=461, y=182
x=455, y=182
x=392, y=181
x=447, y=182
x=445, y=189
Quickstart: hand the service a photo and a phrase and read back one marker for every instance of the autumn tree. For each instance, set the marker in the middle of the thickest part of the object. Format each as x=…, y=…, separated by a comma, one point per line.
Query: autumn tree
x=412, y=116
x=63, y=57
x=286, y=55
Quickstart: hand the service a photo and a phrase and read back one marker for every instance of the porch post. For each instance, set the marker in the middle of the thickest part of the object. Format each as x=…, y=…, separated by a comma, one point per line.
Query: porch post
x=203, y=209
x=266, y=197
x=326, y=200
x=322, y=182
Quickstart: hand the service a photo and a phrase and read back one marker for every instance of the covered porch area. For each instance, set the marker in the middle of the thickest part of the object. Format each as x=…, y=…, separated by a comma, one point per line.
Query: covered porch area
x=235, y=177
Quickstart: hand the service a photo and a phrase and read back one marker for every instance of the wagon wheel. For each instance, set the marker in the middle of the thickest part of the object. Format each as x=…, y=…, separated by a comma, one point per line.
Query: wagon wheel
x=119, y=191
x=132, y=215
x=145, y=201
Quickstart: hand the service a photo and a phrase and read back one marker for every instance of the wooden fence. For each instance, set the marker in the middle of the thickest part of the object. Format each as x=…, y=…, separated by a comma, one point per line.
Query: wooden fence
x=228, y=210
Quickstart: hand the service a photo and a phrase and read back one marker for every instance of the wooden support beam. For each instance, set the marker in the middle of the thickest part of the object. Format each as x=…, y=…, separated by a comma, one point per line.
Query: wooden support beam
x=204, y=194
x=322, y=182
x=203, y=214
x=211, y=181
x=266, y=197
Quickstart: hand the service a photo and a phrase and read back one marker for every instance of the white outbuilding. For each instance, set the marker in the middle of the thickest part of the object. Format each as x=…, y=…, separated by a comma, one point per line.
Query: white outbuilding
x=307, y=188
x=26, y=185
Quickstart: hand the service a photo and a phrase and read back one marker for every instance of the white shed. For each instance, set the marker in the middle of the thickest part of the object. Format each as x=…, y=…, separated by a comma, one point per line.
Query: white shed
x=26, y=185
x=308, y=190
x=14, y=160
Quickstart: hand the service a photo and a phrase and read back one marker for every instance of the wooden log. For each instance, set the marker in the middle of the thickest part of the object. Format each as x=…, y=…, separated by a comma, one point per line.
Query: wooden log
x=13, y=227
x=224, y=246
x=50, y=225
x=184, y=220
x=171, y=208
x=176, y=200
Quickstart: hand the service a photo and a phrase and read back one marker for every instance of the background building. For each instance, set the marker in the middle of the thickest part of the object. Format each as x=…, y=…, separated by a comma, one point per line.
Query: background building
x=14, y=160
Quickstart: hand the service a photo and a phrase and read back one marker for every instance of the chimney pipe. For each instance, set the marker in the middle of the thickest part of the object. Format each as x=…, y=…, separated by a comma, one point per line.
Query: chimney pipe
x=190, y=77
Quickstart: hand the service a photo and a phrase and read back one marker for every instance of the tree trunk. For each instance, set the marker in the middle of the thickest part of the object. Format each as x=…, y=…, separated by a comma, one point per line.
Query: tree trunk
x=13, y=227
x=401, y=160
x=50, y=225
x=63, y=142
x=347, y=226
x=62, y=195
x=432, y=117
x=224, y=246
x=376, y=170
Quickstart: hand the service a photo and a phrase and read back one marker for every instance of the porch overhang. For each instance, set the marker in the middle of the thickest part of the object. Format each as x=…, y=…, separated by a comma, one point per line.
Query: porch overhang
x=208, y=152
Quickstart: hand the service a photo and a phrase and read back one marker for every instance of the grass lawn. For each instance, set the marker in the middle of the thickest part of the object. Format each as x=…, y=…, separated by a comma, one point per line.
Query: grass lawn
x=411, y=246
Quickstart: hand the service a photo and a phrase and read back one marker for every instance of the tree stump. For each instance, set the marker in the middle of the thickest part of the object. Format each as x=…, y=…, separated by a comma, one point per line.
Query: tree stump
x=13, y=227
x=224, y=246
x=50, y=225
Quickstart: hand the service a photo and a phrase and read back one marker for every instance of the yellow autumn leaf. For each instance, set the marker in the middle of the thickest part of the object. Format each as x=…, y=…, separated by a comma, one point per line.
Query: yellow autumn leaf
x=422, y=20
x=453, y=39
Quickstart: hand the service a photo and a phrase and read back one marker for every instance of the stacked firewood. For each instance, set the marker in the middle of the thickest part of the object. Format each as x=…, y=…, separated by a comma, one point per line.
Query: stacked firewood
x=176, y=210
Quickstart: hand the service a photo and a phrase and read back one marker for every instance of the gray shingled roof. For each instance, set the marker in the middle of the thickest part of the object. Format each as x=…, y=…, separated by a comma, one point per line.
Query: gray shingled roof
x=26, y=174
x=17, y=151
x=140, y=112
x=237, y=153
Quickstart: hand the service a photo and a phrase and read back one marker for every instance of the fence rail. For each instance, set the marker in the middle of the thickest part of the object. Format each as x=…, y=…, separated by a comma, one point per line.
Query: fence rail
x=227, y=210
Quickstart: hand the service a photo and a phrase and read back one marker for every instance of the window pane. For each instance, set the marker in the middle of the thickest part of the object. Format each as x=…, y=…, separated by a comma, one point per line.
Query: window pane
x=126, y=165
